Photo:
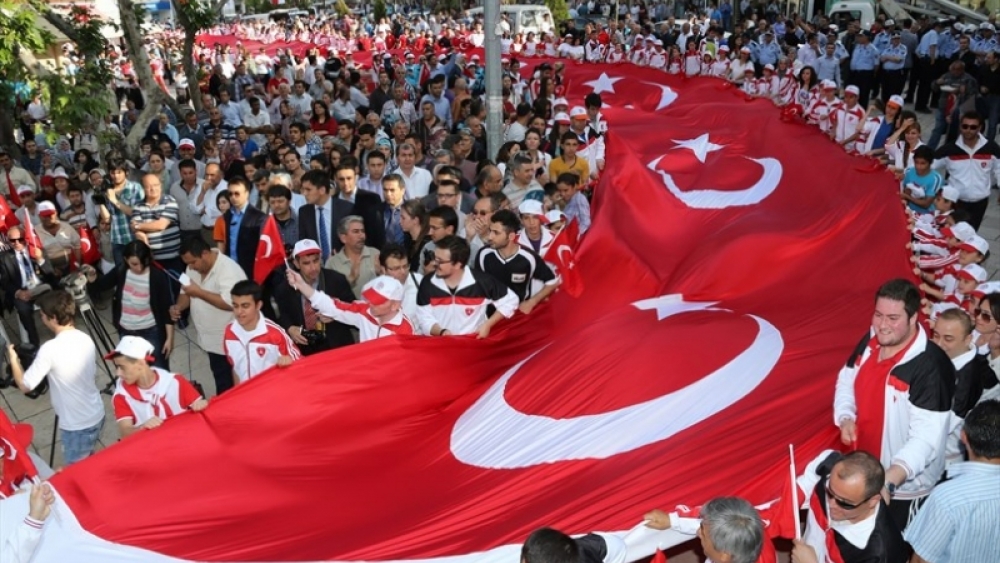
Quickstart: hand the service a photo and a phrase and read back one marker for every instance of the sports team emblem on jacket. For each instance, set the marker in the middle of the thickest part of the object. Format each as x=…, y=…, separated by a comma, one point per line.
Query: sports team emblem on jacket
x=469, y=311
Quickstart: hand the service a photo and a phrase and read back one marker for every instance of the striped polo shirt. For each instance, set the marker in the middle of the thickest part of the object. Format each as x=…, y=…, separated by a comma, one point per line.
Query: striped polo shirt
x=165, y=244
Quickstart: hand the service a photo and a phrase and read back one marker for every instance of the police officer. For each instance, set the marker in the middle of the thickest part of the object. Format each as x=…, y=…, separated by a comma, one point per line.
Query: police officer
x=864, y=61
x=947, y=47
x=769, y=51
x=986, y=42
x=893, y=58
x=884, y=37
x=925, y=65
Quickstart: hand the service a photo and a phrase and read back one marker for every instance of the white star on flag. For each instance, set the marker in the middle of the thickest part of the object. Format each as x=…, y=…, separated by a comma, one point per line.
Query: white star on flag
x=700, y=146
x=604, y=83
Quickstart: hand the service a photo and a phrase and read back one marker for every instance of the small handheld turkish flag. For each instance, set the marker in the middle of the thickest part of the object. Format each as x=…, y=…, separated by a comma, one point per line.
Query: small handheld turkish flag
x=659, y=557
x=7, y=217
x=91, y=250
x=270, y=251
x=15, y=465
x=562, y=253
x=31, y=238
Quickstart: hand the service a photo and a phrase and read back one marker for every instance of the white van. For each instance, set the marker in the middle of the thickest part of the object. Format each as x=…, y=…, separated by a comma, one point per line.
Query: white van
x=524, y=18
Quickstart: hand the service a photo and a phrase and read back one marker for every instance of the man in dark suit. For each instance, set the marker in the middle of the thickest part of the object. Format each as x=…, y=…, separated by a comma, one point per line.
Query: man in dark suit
x=367, y=205
x=247, y=222
x=316, y=189
x=296, y=314
x=23, y=278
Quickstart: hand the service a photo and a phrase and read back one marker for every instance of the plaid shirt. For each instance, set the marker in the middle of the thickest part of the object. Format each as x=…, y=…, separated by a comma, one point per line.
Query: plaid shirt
x=121, y=231
x=314, y=146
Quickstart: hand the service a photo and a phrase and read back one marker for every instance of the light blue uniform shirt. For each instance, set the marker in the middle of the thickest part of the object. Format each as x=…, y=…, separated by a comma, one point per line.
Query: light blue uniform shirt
x=894, y=51
x=769, y=53
x=930, y=39
x=960, y=521
x=947, y=44
x=882, y=40
x=865, y=57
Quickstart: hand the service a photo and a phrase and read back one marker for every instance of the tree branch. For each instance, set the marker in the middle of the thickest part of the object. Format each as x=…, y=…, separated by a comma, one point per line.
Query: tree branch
x=62, y=25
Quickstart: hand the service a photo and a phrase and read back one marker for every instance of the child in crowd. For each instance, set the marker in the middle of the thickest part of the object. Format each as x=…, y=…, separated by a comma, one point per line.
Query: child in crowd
x=943, y=255
x=576, y=204
x=921, y=185
x=943, y=283
x=219, y=232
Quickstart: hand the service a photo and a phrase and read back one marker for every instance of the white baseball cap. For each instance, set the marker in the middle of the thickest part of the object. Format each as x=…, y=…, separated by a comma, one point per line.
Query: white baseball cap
x=555, y=216
x=961, y=230
x=531, y=207
x=306, y=246
x=46, y=208
x=949, y=193
x=896, y=100
x=578, y=112
x=973, y=272
x=25, y=189
x=828, y=84
x=186, y=144
x=560, y=102
x=852, y=90
x=59, y=173
x=978, y=244
x=382, y=290
x=132, y=347
x=562, y=117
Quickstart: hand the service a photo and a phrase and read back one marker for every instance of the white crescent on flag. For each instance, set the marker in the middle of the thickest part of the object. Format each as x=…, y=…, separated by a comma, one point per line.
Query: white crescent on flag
x=493, y=434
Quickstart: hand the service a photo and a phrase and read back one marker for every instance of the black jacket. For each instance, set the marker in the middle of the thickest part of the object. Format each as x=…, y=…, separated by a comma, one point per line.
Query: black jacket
x=160, y=295
x=369, y=207
x=291, y=313
x=307, y=222
x=10, y=277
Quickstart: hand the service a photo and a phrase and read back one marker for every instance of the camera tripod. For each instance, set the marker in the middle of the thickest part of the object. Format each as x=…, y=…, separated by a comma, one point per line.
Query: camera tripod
x=102, y=339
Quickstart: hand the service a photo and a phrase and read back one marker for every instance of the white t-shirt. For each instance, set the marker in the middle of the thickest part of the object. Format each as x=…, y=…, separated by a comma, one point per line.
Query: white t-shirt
x=70, y=361
x=207, y=318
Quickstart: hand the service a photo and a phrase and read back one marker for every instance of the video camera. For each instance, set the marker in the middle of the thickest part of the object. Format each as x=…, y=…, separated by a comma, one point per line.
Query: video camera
x=76, y=285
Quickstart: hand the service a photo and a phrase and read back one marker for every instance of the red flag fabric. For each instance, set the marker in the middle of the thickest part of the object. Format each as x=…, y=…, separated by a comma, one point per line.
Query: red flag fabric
x=562, y=253
x=12, y=191
x=659, y=557
x=15, y=465
x=90, y=248
x=7, y=217
x=779, y=517
x=725, y=276
x=31, y=238
x=270, y=251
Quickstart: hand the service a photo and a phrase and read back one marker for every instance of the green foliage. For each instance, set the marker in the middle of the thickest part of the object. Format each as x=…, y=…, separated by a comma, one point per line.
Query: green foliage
x=560, y=11
x=18, y=30
x=258, y=6
x=379, y=11
x=341, y=8
x=197, y=15
x=83, y=98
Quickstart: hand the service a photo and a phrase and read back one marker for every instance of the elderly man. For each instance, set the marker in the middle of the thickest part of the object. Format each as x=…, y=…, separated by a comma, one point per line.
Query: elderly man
x=156, y=221
x=893, y=399
x=730, y=529
x=356, y=261
x=202, y=201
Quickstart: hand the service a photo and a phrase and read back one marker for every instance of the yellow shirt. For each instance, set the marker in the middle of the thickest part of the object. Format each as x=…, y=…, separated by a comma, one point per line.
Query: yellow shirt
x=580, y=167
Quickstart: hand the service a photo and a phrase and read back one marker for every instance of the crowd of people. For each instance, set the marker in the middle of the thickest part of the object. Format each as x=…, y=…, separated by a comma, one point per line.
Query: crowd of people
x=398, y=218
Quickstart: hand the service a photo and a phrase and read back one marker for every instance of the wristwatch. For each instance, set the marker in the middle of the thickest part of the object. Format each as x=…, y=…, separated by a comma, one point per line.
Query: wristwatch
x=891, y=487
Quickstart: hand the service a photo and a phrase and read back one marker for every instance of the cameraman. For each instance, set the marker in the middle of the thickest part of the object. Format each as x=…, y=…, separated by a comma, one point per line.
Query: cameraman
x=70, y=362
x=120, y=197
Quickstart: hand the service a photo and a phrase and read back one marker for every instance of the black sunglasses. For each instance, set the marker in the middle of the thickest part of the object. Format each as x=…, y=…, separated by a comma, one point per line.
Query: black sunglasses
x=841, y=502
x=969, y=127
x=12, y=239
x=983, y=314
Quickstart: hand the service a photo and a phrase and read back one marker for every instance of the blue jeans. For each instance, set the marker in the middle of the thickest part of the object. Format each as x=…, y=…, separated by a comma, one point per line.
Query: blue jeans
x=154, y=336
x=941, y=127
x=79, y=444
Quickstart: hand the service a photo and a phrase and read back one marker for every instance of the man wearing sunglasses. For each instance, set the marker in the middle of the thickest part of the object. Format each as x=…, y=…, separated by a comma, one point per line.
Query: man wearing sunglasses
x=848, y=520
x=893, y=399
x=23, y=277
x=973, y=165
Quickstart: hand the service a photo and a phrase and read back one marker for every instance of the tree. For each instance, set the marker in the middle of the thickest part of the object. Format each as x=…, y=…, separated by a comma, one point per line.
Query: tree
x=341, y=8
x=560, y=11
x=379, y=11
x=193, y=16
x=20, y=38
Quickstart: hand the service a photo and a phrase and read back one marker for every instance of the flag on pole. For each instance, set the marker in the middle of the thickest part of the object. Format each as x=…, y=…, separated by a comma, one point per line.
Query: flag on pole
x=89, y=247
x=7, y=217
x=562, y=253
x=31, y=239
x=270, y=251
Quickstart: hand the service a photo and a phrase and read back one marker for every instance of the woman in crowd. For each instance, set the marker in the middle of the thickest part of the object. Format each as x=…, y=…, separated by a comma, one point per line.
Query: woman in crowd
x=413, y=220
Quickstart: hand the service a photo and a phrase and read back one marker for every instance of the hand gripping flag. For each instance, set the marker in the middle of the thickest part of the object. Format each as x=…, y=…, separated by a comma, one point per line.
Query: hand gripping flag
x=7, y=217
x=724, y=279
x=270, y=251
x=561, y=253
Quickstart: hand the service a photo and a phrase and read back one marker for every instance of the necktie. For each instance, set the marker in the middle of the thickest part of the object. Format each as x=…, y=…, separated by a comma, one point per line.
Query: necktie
x=324, y=235
x=311, y=319
x=29, y=272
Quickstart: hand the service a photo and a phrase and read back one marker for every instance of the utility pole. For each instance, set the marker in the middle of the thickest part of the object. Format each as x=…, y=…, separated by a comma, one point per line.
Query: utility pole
x=494, y=89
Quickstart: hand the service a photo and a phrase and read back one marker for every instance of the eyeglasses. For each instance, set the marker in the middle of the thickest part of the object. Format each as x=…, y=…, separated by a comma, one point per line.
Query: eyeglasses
x=439, y=194
x=841, y=502
x=20, y=239
x=969, y=127
x=980, y=313
x=481, y=213
x=437, y=260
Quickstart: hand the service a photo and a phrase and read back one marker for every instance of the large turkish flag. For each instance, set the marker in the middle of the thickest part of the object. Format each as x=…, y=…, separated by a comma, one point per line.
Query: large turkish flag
x=731, y=264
